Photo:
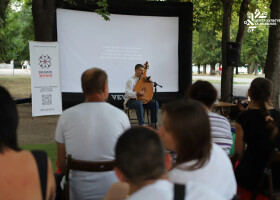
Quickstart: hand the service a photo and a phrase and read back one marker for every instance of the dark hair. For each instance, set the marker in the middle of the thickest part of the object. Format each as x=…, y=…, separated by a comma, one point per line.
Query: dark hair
x=138, y=66
x=260, y=92
x=93, y=81
x=8, y=121
x=140, y=155
x=188, y=122
x=203, y=91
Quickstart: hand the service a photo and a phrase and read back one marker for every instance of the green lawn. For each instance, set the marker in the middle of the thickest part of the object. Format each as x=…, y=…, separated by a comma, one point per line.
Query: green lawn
x=18, y=86
x=49, y=148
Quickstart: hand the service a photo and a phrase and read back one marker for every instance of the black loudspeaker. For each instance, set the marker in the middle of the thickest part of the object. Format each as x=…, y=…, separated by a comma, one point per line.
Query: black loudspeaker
x=233, y=53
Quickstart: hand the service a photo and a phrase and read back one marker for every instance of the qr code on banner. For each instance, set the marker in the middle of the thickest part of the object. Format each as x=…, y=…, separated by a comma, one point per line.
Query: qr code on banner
x=46, y=99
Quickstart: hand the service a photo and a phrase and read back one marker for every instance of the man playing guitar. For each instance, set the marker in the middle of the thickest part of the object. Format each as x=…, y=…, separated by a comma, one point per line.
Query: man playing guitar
x=133, y=98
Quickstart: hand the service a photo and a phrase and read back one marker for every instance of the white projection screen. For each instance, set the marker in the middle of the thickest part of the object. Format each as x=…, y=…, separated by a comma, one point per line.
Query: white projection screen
x=86, y=40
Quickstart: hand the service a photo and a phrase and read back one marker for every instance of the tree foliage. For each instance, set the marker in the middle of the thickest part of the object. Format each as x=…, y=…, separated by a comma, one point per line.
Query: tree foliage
x=102, y=9
x=207, y=32
x=16, y=33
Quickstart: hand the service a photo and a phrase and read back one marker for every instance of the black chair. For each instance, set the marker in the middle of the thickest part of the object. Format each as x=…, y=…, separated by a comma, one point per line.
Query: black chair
x=266, y=179
x=275, y=158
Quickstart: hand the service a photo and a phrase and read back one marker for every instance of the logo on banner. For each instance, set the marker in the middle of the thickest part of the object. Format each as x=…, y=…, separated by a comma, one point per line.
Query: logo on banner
x=45, y=64
x=45, y=61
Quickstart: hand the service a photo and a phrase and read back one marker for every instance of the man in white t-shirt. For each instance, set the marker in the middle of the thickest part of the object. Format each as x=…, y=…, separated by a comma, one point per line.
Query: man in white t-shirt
x=89, y=132
x=142, y=163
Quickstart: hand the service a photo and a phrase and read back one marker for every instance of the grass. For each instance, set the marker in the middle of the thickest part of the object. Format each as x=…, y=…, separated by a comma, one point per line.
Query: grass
x=50, y=149
x=18, y=86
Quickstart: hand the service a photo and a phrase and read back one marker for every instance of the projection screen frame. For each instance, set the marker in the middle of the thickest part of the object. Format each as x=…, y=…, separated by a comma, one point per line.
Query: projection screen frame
x=183, y=10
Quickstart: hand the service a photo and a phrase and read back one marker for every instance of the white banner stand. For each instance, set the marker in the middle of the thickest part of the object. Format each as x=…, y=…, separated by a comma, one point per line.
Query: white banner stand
x=45, y=78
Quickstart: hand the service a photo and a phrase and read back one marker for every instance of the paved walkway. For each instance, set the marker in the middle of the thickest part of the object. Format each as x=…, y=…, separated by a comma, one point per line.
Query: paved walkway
x=240, y=79
x=240, y=86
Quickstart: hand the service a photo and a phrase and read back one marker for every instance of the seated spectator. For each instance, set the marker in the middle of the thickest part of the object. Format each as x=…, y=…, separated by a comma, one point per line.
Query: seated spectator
x=142, y=162
x=19, y=177
x=186, y=131
x=258, y=127
x=89, y=132
x=205, y=92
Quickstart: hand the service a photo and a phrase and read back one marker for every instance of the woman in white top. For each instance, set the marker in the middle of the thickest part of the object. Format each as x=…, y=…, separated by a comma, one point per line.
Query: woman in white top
x=186, y=131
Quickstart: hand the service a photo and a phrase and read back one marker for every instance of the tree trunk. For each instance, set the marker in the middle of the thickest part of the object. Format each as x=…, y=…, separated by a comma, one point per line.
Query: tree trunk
x=212, y=69
x=272, y=65
x=242, y=27
x=4, y=5
x=204, y=69
x=250, y=68
x=198, y=68
x=256, y=68
x=227, y=72
x=43, y=12
x=242, y=17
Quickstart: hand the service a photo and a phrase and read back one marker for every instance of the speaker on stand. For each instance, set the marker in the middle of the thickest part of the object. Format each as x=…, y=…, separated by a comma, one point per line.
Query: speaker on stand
x=233, y=51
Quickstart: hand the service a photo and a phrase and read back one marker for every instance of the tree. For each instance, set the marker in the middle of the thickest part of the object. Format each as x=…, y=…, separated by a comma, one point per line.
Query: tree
x=3, y=8
x=255, y=48
x=207, y=49
x=242, y=18
x=207, y=34
x=227, y=72
x=197, y=58
x=255, y=43
x=43, y=12
x=17, y=32
x=200, y=55
x=227, y=75
x=272, y=65
x=242, y=27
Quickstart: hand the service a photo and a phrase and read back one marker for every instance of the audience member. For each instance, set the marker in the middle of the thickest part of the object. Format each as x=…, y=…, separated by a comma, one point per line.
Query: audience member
x=142, y=162
x=186, y=131
x=258, y=127
x=19, y=174
x=89, y=132
x=205, y=92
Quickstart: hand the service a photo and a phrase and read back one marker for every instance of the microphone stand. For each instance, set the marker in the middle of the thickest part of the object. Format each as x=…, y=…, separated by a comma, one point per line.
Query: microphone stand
x=155, y=98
